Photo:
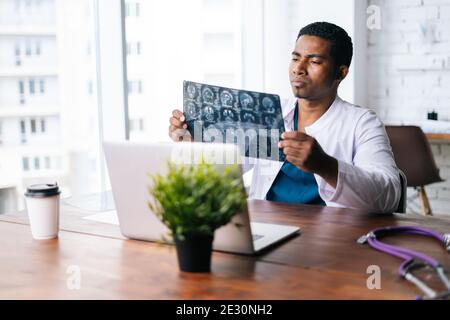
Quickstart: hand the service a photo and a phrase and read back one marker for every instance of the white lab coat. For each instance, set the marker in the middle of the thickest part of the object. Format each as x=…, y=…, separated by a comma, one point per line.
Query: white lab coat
x=368, y=177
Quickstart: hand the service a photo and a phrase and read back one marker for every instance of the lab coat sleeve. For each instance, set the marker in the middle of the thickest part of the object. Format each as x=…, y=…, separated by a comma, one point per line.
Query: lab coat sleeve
x=372, y=181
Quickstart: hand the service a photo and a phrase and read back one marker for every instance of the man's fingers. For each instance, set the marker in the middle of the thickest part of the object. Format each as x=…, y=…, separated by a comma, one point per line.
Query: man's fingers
x=178, y=131
x=173, y=128
x=294, y=152
x=179, y=115
x=297, y=135
x=177, y=134
x=177, y=123
x=291, y=144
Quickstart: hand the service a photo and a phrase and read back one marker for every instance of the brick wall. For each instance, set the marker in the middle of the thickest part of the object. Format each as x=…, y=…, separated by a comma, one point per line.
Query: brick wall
x=409, y=75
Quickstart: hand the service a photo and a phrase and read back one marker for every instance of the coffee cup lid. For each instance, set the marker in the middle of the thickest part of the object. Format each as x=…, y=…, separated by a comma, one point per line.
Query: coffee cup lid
x=42, y=190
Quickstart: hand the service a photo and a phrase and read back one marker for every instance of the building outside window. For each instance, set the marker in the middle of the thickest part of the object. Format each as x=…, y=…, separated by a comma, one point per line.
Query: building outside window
x=45, y=38
x=33, y=125
x=41, y=86
x=31, y=86
x=25, y=164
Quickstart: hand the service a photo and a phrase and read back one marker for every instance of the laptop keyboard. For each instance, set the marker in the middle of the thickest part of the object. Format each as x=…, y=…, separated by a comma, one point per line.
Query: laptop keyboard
x=257, y=237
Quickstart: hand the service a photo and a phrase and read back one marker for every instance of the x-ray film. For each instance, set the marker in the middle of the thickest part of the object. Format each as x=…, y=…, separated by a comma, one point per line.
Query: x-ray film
x=252, y=120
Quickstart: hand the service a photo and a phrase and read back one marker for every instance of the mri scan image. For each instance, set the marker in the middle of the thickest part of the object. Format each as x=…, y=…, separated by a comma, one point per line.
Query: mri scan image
x=230, y=115
x=246, y=101
x=191, y=91
x=268, y=105
x=226, y=98
x=248, y=116
x=192, y=110
x=207, y=96
x=209, y=114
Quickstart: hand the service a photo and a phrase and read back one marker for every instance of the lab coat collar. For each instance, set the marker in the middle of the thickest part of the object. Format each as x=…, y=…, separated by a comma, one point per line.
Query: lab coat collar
x=288, y=110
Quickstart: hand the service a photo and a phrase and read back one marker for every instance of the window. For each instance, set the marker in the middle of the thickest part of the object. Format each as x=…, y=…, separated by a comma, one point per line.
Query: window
x=134, y=48
x=17, y=54
x=21, y=92
x=33, y=125
x=28, y=48
x=132, y=9
x=89, y=48
x=41, y=86
x=38, y=48
x=215, y=36
x=138, y=48
x=58, y=163
x=137, y=124
x=209, y=31
x=21, y=87
x=37, y=163
x=40, y=36
x=47, y=163
x=135, y=87
x=22, y=127
x=32, y=86
x=17, y=5
x=90, y=88
x=25, y=164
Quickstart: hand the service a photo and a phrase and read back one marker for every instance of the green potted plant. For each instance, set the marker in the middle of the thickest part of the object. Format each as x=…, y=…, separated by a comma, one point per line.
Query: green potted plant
x=194, y=201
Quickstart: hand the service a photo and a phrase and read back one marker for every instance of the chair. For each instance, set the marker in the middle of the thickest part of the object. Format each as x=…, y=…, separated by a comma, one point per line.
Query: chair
x=413, y=156
x=404, y=185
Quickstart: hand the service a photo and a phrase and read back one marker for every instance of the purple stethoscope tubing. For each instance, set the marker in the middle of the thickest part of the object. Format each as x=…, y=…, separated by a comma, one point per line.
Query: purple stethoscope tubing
x=410, y=256
x=403, y=253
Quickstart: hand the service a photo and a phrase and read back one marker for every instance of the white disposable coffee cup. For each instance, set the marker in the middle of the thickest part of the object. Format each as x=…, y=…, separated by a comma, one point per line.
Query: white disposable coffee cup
x=42, y=202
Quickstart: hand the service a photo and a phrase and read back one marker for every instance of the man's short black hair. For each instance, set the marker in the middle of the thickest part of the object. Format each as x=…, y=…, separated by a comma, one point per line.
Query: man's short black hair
x=341, y=43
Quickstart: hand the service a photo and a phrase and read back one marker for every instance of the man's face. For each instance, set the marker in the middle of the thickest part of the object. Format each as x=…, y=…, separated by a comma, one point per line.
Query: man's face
x=312, y=70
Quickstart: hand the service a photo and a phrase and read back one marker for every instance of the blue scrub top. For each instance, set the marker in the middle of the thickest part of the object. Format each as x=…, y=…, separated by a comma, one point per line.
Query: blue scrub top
x=293, y=185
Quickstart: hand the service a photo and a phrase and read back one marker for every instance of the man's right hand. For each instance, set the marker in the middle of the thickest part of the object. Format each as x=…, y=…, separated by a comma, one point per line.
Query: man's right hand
x=178, y=127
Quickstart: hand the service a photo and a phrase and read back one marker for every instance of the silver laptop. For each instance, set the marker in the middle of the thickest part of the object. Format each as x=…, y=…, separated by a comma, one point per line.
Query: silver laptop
x=129, y=165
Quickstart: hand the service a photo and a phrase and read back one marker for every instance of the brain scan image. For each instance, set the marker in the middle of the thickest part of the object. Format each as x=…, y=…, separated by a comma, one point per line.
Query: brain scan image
x=226, y=99
x=269, y=120
x=192, y=110
x=191, y=91
x=247, y=101
x=228, y=115
x=268, y=105
x=225, y=113
x=208, y=96
x=209, y=114
x=248, y=117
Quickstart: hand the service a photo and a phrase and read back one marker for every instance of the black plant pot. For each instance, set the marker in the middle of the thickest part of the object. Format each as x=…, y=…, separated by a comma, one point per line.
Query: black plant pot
x=194, y=253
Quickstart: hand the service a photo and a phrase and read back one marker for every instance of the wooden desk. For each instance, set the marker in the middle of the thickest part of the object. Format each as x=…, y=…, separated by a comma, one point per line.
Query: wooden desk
x=323, y=263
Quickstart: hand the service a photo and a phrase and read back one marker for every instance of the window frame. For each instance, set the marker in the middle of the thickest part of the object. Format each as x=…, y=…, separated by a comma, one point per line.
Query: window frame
x=110, y=77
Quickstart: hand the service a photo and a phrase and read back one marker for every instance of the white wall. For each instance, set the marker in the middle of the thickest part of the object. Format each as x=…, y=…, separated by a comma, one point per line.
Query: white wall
x=409, y=74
